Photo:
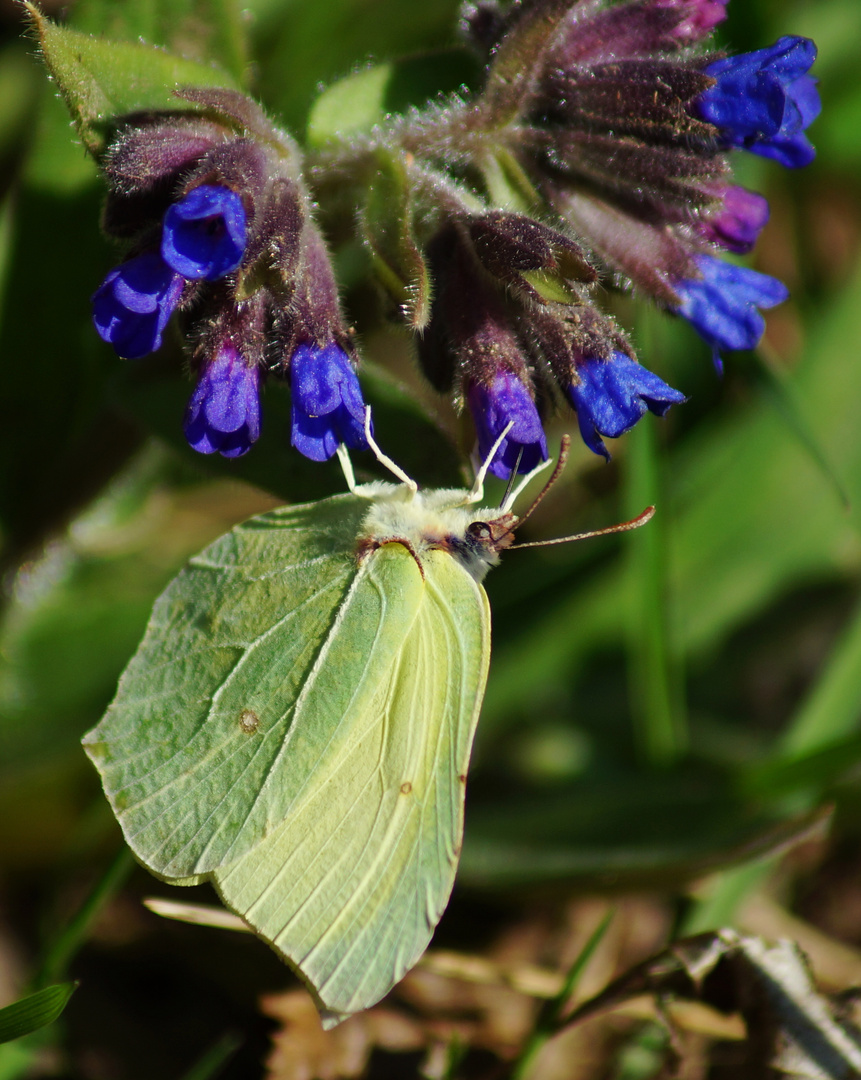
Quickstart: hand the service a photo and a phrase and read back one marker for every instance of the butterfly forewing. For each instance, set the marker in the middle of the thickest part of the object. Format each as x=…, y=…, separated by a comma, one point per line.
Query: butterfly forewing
x=190, y=748
x=351, y=884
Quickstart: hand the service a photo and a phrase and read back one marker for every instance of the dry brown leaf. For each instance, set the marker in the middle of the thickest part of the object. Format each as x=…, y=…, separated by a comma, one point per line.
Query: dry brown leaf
x=837, y=965
x=302, y=1050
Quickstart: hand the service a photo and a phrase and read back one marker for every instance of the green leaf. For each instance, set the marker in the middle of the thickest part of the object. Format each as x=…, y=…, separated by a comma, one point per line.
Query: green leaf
x=300, y=46
x=779, y=389
x=808, y=774
x=359, y=101
x=351, y=105
x=207, y=31
x=640, y=830
x=395, y=254
x=830, y=712
x=549, y=1019
x=511, y=189
x=101, y=79
x=34, y=1011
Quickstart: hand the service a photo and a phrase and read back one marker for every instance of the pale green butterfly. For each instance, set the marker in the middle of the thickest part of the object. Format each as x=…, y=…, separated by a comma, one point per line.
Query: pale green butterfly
x=296, y=725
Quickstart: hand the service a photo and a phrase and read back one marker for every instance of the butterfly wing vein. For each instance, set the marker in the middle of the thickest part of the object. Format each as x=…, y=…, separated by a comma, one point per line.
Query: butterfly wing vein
x=351, y=885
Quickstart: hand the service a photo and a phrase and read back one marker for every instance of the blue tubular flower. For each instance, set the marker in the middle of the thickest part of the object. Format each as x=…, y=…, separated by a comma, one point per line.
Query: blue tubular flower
x=132, y=306
x=203, y=235
x=223, y=415
x=764, y=100
x=722, y=304
x=506, y=400
x=613, y=394
x=327, y=406
x=737, y=223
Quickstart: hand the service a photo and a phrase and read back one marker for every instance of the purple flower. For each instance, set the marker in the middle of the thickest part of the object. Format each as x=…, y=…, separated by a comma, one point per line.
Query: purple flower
x=203, y=235
x=736, y=225
x=132, y=306
x=764, y=100
x=327, y=407
x=493, y=406
x=613, y=394
x=722, y=304
x=223, y=415
x=700, y=17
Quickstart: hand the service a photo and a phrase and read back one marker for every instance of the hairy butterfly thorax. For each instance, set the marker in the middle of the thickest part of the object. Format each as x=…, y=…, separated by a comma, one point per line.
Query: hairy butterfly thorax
x=438, y=521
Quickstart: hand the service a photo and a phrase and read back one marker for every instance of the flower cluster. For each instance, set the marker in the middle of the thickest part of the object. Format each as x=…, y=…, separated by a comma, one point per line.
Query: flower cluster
x=628, y=140
x=610, y=119
x=621, y=126
x=624, y=132
x=221, y=231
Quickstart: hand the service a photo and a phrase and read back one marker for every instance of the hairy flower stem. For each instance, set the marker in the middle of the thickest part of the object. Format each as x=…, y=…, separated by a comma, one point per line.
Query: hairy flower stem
x=458, y=134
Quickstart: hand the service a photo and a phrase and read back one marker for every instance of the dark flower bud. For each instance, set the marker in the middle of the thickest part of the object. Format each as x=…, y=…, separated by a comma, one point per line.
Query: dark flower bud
x=327, y=404
x=626, y=130
x=474, y=329
x=237, y=110
x=596, y=33
x=762, y=101
x=132, y=306
x=434, y=349
x=203, y=235
x=273, y=246
x=223, y=415
x=722, y=303
x=527, y=254
x=156, y=150
x=238, y=164
x=314, y=315
x=143, y=166
x=651, y=257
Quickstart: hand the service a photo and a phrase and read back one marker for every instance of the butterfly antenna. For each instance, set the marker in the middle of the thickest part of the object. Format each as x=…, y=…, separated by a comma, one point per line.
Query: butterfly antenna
x=624, y=526
x=384, y=459
x=561, y=461
x=524, y=483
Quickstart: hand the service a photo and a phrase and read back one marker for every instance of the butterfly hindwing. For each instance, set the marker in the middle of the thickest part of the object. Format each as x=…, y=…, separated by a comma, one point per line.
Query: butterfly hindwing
x=351, y=884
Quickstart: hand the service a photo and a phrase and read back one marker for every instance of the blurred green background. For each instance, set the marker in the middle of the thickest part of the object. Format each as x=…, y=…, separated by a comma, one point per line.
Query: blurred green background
x=666, y=710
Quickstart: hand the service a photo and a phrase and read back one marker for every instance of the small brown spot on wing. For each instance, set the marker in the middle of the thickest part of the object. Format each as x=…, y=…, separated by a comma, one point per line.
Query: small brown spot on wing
x=249, y=721
x=462, y=778
x=406, y=787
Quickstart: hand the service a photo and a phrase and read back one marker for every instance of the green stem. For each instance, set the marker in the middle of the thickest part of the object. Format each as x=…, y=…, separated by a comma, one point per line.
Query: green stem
x=550, y=1020
x=655, y=686
x=69, y=940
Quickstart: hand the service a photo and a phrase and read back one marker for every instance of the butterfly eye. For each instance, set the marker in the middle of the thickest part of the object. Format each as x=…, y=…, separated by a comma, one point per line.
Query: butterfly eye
x=479, y=530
